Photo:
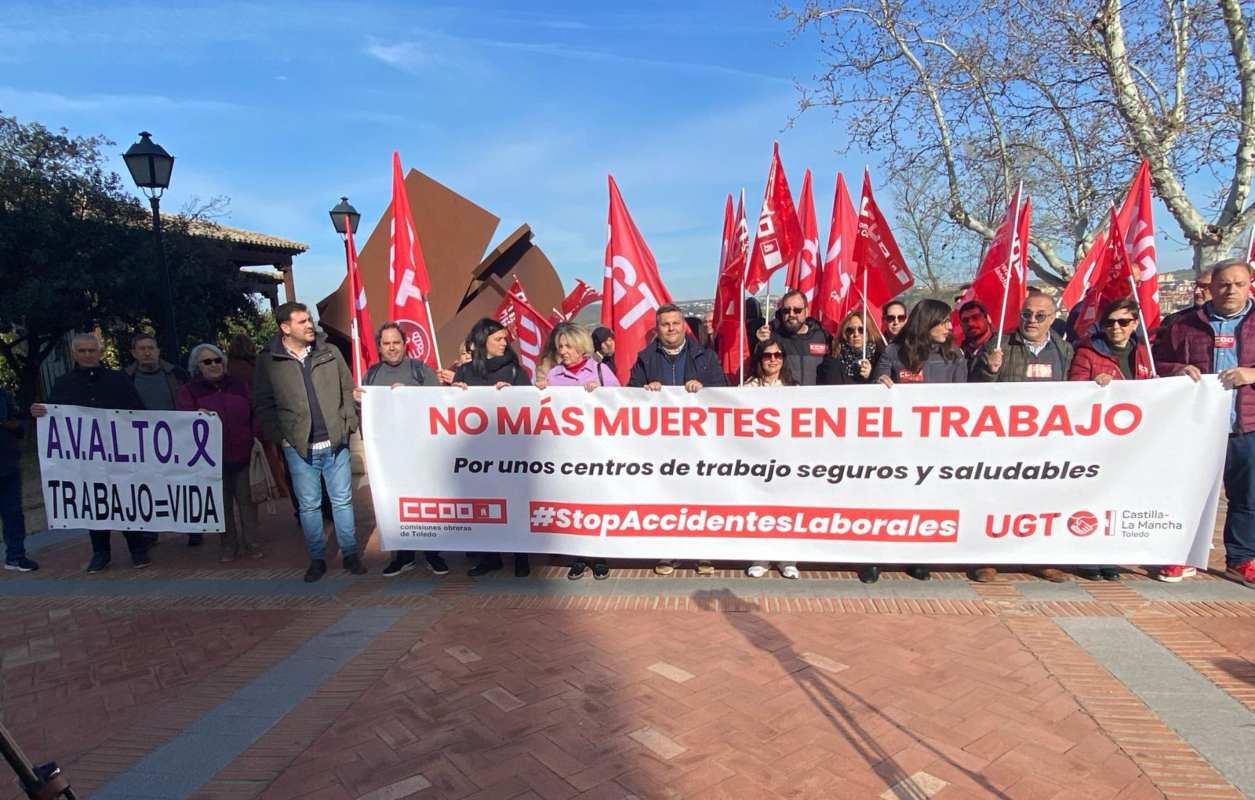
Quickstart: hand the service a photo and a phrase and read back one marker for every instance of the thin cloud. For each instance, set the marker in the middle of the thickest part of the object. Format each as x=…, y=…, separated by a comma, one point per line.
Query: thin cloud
x=411, y=55
x=35, y=101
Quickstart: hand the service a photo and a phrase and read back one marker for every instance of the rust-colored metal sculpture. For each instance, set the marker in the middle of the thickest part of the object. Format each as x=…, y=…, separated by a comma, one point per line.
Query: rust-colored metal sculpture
x=466, y=285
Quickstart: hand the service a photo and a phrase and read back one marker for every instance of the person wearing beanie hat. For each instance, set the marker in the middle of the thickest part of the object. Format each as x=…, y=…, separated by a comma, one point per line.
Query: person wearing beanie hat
x=603, y=345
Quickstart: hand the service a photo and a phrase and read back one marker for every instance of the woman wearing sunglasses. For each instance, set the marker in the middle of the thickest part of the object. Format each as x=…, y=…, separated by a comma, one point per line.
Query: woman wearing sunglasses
x=924, y=353
x=846, y=363
x=1115, y=352
x=767, y=368
x=212, y=390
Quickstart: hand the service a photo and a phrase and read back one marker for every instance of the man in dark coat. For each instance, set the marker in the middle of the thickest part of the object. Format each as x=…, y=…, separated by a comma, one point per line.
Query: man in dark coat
x=94, y=386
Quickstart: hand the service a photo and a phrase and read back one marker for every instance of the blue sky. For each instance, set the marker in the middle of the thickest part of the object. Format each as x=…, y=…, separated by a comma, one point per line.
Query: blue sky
x=523, y=108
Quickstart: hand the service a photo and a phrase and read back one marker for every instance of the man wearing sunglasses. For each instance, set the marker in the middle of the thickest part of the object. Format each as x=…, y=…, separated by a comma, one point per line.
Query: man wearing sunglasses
x=804, y=341
x=1032, y=352
x=1219, y=338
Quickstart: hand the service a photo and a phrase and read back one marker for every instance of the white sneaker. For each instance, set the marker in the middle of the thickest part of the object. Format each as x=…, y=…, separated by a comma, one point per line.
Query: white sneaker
x=789, y=571
x=756, y=571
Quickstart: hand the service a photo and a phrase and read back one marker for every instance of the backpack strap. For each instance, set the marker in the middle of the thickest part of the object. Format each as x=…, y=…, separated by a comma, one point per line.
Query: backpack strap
x=600, y=380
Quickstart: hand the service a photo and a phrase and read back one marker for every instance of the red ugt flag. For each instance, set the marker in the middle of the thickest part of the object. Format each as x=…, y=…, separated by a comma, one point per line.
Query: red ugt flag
x=803, y=272
x=632, y=290
x=779, y=235
x=837, y=293
x=364, y=353
x=526, y=326
x=877, y=259
x=729, y=310
x=408, y=284
x=1003, y=270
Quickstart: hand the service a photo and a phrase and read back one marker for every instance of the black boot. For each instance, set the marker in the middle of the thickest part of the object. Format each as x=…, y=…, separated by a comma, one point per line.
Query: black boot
x=869, y=573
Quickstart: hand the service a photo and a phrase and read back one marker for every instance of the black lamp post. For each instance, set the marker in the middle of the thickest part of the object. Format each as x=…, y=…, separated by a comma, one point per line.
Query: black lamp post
x=345, y=217
x=150, y=166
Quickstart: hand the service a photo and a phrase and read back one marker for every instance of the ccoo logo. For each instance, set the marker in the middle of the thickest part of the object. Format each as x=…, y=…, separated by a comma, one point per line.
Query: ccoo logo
x=417, y=340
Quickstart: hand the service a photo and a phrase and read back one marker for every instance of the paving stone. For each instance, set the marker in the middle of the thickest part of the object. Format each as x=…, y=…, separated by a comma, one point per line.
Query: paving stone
x=657, y=742
x=399, y=790
x=671, y=672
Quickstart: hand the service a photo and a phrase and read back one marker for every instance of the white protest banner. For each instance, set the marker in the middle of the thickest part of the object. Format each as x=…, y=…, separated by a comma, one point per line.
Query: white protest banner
x=131, y=470
x=1029, y=473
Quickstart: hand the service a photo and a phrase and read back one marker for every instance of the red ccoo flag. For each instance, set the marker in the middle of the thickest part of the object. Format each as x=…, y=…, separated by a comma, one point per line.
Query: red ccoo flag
x=632, y=290
x=1001, y=280
x=525, y=325
x=580, y=298
x=408, y=284
x=1138, y=224
x=363, y=334
x=882, y=273
x=803, y=272
x=836, y=279
x=1115, y=276
x=779, y=235
x=729, y=309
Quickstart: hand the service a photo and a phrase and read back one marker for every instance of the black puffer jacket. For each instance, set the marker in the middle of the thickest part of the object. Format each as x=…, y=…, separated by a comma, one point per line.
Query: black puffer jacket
x=501, y=369
x=97, y=387
x=803, y=352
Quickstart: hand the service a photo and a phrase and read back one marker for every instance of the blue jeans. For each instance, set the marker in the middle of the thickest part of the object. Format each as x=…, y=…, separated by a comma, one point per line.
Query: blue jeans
x=1239, y=488
x=329, y=465
x=11, y=516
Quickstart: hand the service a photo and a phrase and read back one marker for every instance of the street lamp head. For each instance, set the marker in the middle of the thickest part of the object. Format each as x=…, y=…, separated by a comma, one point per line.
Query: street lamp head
x=345, y=217
x=149, y=163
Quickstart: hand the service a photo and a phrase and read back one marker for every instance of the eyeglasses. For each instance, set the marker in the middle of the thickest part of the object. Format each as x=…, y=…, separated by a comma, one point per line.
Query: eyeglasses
x=851, y=330
x=1038, y=316
x=772, y=356
x=793, y=309
x=895, y=317
x=207, y=361
x=1123, y=322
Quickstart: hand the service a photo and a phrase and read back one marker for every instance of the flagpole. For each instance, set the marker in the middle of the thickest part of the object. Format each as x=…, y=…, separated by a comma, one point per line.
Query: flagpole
x=1006, y=280
x=1250, y=247
x=882, y=336
x=1141, y=320
x=435, y=346
x=353, y=332
x=742, y=334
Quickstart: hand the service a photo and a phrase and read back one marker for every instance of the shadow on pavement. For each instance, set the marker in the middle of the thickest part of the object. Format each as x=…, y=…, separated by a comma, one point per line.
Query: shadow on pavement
x=835, y=702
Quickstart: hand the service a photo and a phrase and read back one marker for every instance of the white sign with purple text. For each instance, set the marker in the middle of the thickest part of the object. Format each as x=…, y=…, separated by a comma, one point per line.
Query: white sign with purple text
x=110, y=470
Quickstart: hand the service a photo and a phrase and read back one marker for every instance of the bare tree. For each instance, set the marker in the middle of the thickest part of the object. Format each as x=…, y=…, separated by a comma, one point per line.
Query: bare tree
x=939, y=253
x=1062, y=95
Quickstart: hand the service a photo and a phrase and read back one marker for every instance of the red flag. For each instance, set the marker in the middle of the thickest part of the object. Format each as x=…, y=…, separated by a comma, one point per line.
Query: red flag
x=803, y=272
x=408, y=284
x=363, y=333
x=1138, y=224
x=1003, y=271
x=1114, y=277
x=633, y=288
x=779, y=235
x=837, y=276
x=580, y=298
x=729, y=309
x=878, y=261
x=527, y=327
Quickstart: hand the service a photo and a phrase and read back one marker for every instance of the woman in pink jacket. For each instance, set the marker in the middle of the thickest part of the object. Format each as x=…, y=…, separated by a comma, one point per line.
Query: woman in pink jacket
x=577, y=367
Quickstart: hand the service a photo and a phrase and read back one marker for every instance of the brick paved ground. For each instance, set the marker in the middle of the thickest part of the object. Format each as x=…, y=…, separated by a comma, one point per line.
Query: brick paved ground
x=635, y=687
